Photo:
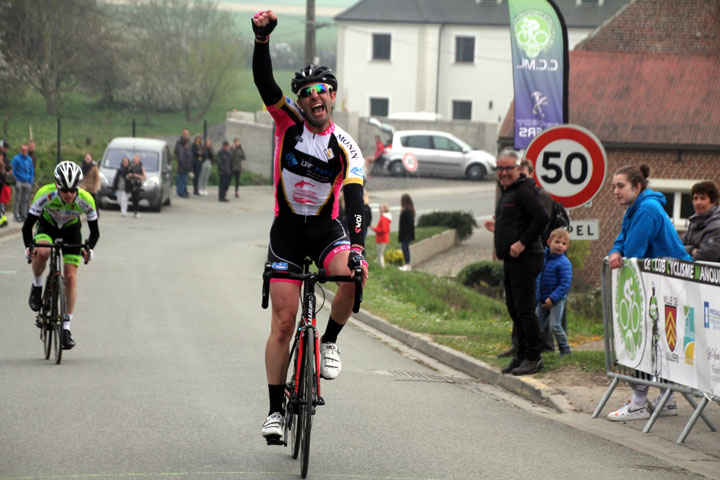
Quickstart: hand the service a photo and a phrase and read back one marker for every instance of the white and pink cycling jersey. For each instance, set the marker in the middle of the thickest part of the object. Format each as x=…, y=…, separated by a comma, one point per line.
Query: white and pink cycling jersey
x=310, y=168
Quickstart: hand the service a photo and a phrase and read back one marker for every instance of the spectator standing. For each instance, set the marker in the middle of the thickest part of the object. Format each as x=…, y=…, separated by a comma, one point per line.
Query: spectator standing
x=121, y=186
x=206, y=166
x=91, y=177
x=225, y=168
x=24, y=173
x=553, y=285
x=32, y=154
x=185, y=135
x=702, y=239
x=135, y=177
x=646, y=232
x=6, y=179
x=198, y=159
x=184, y=167
x=406, y=233
x=238, y=156
x=519, y=220
x=382, y=233
x=372, y=160
x=367, y=215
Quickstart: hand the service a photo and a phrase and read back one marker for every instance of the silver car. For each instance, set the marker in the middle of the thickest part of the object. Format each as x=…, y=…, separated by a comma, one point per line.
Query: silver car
x=155, y=157
x=435, y=153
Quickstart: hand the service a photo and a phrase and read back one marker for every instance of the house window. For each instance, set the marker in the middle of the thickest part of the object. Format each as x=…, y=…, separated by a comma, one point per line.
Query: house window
x=465, y=49
x=381, y=46
x=379, y=107
x=461, y=110
x=678, y=199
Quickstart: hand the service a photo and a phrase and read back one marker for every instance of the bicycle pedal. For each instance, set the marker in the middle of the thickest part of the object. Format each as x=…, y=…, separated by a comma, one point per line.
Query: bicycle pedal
x=274, y=440
x=320, y=400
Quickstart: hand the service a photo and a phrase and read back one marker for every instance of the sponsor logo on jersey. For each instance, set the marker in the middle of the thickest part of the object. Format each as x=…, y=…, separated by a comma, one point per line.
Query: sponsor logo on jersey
x=290, y=160
x=341, y=242
x=303, y=193
x=357, y=171
x=280, y=266
x=329, y=154
x=349, y=145
x=315, y=168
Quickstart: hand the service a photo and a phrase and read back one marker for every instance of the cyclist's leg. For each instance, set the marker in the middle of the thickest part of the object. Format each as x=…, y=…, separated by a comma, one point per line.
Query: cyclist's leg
x=284, y=298
x=344, y=298
x=70, y=280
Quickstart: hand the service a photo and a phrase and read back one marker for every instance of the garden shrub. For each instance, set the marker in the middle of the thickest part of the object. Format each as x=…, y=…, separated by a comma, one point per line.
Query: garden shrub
x=485, y=277
x=394, y=256
x=462, y=222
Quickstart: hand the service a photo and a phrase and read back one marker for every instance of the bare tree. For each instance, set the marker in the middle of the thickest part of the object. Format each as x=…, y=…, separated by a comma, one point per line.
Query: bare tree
x=12, y=89
x=186, y=53
x=44, y=41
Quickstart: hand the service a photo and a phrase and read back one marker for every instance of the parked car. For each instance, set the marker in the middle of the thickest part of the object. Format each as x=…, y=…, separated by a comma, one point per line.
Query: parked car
x=435, y=153
x=155, y=157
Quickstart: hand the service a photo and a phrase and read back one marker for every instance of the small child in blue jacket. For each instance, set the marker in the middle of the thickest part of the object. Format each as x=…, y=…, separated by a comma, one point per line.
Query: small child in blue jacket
x=553, y=285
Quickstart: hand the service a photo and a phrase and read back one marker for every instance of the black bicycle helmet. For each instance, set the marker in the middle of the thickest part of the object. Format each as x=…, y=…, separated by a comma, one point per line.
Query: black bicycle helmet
x=313, y=74
x=68, y=175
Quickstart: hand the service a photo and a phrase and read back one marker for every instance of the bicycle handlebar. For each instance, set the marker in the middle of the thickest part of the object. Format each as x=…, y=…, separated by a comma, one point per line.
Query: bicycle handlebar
x=58, y=243
x=320, y=276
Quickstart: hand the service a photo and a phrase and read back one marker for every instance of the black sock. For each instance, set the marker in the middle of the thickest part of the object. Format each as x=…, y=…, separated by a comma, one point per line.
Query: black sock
x=277, y=398
x=331, y=332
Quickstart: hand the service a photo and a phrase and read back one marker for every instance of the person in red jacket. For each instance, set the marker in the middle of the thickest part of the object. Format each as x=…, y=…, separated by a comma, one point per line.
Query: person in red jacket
x=382, y=233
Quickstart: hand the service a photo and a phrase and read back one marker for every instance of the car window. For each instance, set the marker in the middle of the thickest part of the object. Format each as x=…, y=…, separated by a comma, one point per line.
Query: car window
x=416, y=141
x=114, y=156
x=444, y=143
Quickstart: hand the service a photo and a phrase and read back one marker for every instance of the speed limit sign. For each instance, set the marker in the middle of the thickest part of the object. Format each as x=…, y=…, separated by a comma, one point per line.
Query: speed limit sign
x=409, y=162
x=570, y=163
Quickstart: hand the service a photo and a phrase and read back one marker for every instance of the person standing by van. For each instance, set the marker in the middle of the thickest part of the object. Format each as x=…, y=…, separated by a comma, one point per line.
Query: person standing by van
x=136, y=176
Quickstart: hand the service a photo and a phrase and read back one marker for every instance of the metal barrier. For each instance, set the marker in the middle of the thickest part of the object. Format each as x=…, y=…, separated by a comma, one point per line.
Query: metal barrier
x=618, y=372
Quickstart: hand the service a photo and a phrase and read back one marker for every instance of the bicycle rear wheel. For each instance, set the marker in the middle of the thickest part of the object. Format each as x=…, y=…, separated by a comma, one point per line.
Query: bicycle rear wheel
x=60, y=312
x=308, y=400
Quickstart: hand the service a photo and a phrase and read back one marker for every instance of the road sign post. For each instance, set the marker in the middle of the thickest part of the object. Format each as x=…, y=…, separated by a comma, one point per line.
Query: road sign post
x=570, y=163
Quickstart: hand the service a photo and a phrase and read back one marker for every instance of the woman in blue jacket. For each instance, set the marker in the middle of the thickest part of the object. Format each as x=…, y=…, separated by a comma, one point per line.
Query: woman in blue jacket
x=646, y=232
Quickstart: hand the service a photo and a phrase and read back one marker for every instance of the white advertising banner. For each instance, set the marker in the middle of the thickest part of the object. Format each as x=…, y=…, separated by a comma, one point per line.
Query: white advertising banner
x=666, y=320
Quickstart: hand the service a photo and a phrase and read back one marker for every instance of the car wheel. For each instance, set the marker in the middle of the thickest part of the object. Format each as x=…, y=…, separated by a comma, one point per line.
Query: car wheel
x=397, y=169
x=157, y=206
x=476, y=172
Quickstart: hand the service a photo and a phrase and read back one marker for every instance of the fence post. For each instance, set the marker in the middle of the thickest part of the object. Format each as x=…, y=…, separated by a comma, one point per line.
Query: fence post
x=58, y=141
x=133, y=128
x=204, y=130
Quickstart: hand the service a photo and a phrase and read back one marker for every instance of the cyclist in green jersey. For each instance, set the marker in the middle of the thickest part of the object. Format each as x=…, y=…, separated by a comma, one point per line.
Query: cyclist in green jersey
x=57, y=209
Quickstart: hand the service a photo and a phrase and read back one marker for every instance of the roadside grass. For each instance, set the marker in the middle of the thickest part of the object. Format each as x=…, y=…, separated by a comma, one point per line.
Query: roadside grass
x=461, y=318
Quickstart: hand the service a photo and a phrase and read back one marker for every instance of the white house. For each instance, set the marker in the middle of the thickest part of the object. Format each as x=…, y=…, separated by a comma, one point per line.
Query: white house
x=449, y=57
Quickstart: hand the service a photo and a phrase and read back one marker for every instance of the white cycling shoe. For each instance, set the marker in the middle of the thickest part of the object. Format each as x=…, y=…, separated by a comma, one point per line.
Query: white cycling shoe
x=330, y=364
x=274, y=427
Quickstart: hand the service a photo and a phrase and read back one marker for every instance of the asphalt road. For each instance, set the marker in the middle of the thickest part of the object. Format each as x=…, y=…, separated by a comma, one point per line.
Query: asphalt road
x=167, y=380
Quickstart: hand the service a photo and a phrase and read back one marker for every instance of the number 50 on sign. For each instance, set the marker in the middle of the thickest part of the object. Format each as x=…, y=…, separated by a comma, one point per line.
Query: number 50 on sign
x=570, y=163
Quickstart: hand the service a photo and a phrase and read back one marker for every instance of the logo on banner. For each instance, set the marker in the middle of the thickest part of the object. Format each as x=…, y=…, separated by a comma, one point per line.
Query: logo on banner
x=689, y=338
x=629, y=304
x=671, y=325
x=540, y=101
x=534, y=32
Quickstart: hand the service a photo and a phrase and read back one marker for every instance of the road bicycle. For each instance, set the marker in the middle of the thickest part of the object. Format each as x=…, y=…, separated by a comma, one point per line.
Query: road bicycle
x=302, y=392
x=53, y=309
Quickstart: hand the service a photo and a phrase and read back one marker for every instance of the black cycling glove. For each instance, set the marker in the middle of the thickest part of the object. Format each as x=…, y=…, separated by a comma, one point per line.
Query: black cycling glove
x=262, y=33
x=356, y=258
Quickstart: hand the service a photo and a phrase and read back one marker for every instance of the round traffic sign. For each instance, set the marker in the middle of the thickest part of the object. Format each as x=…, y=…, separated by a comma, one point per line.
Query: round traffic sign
x=570, y=163
x=410, y=162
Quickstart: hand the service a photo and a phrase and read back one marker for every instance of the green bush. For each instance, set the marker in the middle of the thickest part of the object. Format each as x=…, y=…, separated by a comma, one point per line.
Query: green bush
x=462, y=222
x=393, y=256
x=578, y=252
x=485, y=277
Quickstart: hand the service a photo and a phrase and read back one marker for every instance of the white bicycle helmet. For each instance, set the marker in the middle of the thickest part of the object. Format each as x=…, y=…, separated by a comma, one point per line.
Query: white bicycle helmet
x=68, y=175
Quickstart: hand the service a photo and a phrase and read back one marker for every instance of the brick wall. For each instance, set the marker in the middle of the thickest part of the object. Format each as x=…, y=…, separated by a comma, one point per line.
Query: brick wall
x=663, y=164
x=662, y=26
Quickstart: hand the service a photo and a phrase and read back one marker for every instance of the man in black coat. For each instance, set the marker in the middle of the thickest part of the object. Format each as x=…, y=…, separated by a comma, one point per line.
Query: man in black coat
x=519, y=220
x=224, y=166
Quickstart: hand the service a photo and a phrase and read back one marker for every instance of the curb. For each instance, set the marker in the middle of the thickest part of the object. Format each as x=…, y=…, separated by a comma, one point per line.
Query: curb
x=524, y=386
x=9, y=230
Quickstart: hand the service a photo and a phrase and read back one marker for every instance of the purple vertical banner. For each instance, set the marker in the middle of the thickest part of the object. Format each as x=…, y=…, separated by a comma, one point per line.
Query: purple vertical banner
x=540, y=67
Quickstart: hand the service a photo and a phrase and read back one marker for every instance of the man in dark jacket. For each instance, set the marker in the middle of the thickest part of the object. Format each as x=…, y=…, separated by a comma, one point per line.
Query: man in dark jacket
x=184, y=166
x=224, y=166
x=519, y=220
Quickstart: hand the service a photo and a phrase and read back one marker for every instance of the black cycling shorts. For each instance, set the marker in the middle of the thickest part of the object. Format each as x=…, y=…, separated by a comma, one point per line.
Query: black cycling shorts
x=71, y=234
x=293, y=239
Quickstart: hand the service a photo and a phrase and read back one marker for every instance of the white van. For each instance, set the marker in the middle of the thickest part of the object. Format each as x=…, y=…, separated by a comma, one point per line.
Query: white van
x=155, y=157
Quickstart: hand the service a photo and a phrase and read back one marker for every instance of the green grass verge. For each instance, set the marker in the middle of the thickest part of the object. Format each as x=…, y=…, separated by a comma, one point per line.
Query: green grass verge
x=460, y=317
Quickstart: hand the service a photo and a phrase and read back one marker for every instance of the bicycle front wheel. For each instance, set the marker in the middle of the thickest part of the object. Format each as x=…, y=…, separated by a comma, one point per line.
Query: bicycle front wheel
x=44, y=317
x=308, y=400
x=61, y=312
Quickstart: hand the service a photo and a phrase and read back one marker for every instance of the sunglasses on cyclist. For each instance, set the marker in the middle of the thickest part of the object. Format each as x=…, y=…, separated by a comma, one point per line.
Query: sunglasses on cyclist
x=68, y=190
x=318, y=88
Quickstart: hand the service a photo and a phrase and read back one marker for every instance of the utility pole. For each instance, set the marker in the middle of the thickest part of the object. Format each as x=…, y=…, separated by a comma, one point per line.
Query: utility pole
x=310, y=31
